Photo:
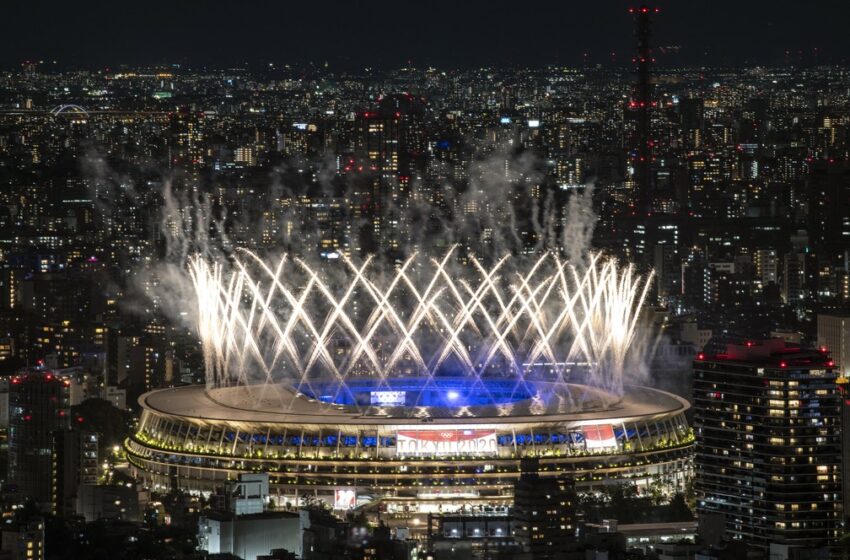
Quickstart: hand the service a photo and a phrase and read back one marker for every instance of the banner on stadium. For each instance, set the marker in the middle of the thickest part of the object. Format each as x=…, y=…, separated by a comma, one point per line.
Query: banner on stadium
x=345, y=498
x=388, y=398
x=599, y=436
x=446, y=442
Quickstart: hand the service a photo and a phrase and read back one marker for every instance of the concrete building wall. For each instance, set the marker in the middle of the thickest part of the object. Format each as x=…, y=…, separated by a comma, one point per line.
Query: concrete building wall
x=250, y=536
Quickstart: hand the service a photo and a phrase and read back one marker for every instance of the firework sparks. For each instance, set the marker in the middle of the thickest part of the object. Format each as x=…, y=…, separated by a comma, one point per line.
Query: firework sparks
x=266, y=322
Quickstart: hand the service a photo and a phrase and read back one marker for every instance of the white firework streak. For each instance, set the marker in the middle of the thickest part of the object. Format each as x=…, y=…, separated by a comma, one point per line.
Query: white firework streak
x=264, y=323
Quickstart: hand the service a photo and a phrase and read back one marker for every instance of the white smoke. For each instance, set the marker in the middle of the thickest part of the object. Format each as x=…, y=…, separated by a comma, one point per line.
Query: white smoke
x=505, y=207
x=579, y=223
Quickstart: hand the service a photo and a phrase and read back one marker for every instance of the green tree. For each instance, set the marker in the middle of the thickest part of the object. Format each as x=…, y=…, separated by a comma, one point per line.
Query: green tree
x=111, y=424
x=678, y=508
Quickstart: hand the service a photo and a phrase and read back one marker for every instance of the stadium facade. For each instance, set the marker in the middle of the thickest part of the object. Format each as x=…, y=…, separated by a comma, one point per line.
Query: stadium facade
x=381, y=448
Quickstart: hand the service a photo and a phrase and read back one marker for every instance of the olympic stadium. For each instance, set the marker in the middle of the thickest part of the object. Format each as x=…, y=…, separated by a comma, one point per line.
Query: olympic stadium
x=415, y=395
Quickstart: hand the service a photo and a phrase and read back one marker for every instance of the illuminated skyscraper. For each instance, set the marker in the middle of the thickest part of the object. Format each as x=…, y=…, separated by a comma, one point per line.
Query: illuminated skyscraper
x=389, y=139
x=186, y=147
x=641, y=108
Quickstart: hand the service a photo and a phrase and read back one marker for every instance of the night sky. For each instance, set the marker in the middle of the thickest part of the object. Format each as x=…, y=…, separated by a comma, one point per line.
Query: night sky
x=457, y=33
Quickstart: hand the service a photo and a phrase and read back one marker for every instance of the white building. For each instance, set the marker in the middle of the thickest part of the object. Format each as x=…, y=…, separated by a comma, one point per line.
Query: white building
x=249, y=494
x=834, y=335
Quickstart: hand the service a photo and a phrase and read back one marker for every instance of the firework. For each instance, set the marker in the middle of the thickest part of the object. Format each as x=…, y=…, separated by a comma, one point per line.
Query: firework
x=284, y=321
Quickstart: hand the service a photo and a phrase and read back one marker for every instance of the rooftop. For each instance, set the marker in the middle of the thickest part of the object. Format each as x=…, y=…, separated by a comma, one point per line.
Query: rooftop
x=772, y=352
x=250, y=405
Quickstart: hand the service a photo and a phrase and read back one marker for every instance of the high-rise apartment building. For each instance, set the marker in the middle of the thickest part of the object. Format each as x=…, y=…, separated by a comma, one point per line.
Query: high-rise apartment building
x=39, y=405
x=768, y=453
x=75, y=462
x=544, y=512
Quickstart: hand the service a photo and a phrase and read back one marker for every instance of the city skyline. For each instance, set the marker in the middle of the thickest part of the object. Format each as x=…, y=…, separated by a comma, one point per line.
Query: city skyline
x=400, y=282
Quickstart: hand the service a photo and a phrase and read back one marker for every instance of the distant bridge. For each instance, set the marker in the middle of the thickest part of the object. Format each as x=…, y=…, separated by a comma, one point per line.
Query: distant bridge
x=79, y=111
x=69, y=109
